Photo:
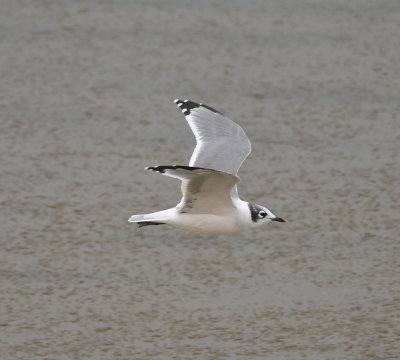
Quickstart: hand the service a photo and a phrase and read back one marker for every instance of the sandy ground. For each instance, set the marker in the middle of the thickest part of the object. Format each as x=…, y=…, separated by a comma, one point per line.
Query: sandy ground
x=86, y=96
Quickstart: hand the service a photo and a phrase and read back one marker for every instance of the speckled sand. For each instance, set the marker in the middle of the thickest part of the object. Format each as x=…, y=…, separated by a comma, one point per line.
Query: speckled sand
x=86, y=91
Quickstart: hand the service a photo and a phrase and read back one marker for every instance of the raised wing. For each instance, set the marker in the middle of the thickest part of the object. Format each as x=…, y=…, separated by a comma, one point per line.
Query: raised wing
x=221, y=144
x=204, y=190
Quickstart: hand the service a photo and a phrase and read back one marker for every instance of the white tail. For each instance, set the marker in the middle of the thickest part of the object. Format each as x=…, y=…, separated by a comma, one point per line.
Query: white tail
x=137, y=218
x=157, y=218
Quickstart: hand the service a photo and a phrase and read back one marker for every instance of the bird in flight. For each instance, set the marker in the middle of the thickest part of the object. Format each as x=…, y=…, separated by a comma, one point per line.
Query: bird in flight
x=210, y=202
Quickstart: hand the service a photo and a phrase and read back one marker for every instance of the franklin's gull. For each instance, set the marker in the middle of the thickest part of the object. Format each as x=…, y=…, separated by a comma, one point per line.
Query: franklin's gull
x=210, y=202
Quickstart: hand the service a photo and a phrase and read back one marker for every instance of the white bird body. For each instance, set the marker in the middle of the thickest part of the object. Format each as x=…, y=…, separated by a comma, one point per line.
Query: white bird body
x=210, y=202
x=226, y=221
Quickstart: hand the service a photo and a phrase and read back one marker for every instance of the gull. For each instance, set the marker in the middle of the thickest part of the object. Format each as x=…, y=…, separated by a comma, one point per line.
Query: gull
x=210, y=202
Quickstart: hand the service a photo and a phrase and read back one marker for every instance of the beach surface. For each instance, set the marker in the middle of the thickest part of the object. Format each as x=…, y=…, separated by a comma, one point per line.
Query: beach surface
x=86, y=102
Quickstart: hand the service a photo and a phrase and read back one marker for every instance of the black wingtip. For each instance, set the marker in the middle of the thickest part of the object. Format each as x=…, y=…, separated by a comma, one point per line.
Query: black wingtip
x=157, y=168
x=163, y=168
x=187, y=106
x=147, y=223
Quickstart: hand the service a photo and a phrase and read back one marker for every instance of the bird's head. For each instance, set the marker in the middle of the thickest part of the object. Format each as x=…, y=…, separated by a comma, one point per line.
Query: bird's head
x=260, y=215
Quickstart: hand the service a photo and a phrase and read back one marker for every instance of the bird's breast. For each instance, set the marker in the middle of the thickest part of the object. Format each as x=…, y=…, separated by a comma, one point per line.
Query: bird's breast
x=207, y=223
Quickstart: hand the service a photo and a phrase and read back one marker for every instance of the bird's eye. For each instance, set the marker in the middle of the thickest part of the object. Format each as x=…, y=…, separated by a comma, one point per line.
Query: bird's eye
x=262, y=214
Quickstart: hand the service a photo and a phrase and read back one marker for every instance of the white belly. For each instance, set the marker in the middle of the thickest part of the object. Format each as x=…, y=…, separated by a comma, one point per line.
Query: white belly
x=206, y=223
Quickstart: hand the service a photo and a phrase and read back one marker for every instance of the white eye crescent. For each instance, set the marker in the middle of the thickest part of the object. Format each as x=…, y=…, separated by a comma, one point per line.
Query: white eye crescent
x=262, y=214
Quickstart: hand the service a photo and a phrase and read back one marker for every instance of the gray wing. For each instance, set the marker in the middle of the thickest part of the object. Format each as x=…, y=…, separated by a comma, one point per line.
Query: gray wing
x=204, y=190
x=221, y=144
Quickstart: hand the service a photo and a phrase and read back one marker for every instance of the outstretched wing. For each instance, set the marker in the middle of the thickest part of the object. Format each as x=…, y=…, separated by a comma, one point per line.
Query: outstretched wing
x=221, y=144
x=204, y=190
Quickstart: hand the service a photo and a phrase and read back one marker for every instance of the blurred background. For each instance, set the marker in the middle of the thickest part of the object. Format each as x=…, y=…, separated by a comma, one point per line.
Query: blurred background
x=86, y=102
